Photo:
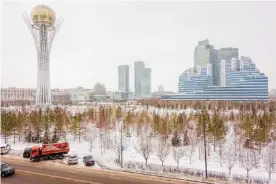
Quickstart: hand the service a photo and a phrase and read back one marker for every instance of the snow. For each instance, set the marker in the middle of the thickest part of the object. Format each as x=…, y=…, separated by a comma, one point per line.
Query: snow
x=105, y=158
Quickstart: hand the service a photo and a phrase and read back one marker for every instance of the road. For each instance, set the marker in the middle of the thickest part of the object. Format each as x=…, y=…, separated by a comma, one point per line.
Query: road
x=46, y=173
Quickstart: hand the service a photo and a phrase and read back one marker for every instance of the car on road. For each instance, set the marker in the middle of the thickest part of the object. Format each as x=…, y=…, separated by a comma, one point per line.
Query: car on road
x=72, y=159
x=5, y=148
x=6, y=169
x=27, y=152
x=88, y=160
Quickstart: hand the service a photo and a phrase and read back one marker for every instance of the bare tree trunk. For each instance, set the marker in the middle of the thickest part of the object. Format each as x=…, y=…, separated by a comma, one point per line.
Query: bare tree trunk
x=214, y=143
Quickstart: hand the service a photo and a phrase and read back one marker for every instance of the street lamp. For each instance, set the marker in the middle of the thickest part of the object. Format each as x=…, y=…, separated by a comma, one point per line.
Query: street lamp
x=13, y=135
x=205, y=152
x=122, y=143
x=204, y=139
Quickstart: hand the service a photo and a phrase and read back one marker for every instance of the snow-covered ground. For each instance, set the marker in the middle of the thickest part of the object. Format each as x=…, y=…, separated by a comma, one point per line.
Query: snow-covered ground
x=105, y=158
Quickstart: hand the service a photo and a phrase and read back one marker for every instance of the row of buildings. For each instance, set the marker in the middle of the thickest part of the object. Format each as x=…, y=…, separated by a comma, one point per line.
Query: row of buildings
x=142, y=80
x=221, y=75
x=142, y=87
x=63, y=96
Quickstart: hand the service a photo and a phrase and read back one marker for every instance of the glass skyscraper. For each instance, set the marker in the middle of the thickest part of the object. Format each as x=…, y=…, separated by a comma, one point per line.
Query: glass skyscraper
x=205, y=54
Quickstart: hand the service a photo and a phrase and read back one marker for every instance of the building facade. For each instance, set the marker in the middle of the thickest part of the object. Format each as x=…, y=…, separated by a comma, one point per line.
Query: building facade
x=60, y=97
x=190, y=81
x=225, y=68
x=123, y=78
x=142, y=80
x=146, y=83
x=245, y=84
x=18, y=94
x=120, y=95
x=79, y=94
x=205, y=54
x=139, y=67
x=226, y=54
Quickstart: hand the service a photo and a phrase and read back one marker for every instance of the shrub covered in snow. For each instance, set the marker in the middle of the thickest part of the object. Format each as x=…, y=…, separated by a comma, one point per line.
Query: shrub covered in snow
x=158, y=169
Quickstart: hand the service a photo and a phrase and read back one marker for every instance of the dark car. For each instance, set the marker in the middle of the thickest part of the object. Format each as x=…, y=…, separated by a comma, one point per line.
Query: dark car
x=6, y=169
x=27, y=152
x=88, y=160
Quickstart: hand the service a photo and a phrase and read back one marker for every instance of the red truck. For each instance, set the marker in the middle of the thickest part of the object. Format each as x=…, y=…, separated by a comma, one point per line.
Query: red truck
x=49, y=151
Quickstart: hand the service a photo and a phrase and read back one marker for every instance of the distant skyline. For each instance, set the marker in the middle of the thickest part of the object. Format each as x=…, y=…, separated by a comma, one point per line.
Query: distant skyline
x=98, y=36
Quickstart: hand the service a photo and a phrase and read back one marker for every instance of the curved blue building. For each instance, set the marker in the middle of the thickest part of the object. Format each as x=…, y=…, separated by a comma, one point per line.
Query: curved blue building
x=244, y=83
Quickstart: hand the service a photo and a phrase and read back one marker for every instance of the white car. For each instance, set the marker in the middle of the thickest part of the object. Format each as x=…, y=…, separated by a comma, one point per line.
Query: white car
x=5, y=148
x=72, y=159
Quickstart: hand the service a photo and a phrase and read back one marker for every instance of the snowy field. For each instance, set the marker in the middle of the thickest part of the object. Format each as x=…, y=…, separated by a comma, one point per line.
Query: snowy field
x=105, y=158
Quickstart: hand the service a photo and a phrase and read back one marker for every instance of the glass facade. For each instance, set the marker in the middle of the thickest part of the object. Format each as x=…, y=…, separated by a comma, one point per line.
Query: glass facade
x=246, y=84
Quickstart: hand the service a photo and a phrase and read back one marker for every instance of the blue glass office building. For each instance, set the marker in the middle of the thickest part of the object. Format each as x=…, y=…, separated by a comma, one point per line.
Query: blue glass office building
x=248, y=84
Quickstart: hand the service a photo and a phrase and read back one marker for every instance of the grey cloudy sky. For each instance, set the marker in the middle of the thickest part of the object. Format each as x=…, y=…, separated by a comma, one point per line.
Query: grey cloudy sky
x=97, y=36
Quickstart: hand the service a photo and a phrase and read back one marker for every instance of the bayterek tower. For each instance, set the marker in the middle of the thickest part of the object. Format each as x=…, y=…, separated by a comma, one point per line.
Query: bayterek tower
x=43, y=26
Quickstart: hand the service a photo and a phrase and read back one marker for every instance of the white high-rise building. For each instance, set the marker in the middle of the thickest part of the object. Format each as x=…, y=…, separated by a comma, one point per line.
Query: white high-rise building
x=123, y=78
x=225, y=68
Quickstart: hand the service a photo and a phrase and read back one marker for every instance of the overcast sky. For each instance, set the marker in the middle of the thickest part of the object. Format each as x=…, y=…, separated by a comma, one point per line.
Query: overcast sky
x=97, y=36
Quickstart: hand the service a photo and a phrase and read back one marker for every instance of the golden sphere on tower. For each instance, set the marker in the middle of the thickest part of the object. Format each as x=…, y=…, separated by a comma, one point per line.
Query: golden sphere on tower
x=43, y=14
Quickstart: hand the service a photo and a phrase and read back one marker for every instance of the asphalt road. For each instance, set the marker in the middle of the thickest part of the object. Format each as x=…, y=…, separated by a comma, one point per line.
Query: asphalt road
x=27, y=172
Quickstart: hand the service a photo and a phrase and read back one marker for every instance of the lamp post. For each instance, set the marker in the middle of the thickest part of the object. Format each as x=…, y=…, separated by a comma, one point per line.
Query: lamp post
x=13, y=135
x=121, y=144
x=5, y=120
x=205, y=152
x=204, y=140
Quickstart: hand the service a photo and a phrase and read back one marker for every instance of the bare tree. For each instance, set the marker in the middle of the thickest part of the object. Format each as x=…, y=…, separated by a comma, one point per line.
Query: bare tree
x=269, y=159
x=91, y=130
x=230, y=159
x=248, y=159
x=228, y=152
x=178, y=152
x=116, y=147
x=162, y=150
x=145, y=147
x=192, y=144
